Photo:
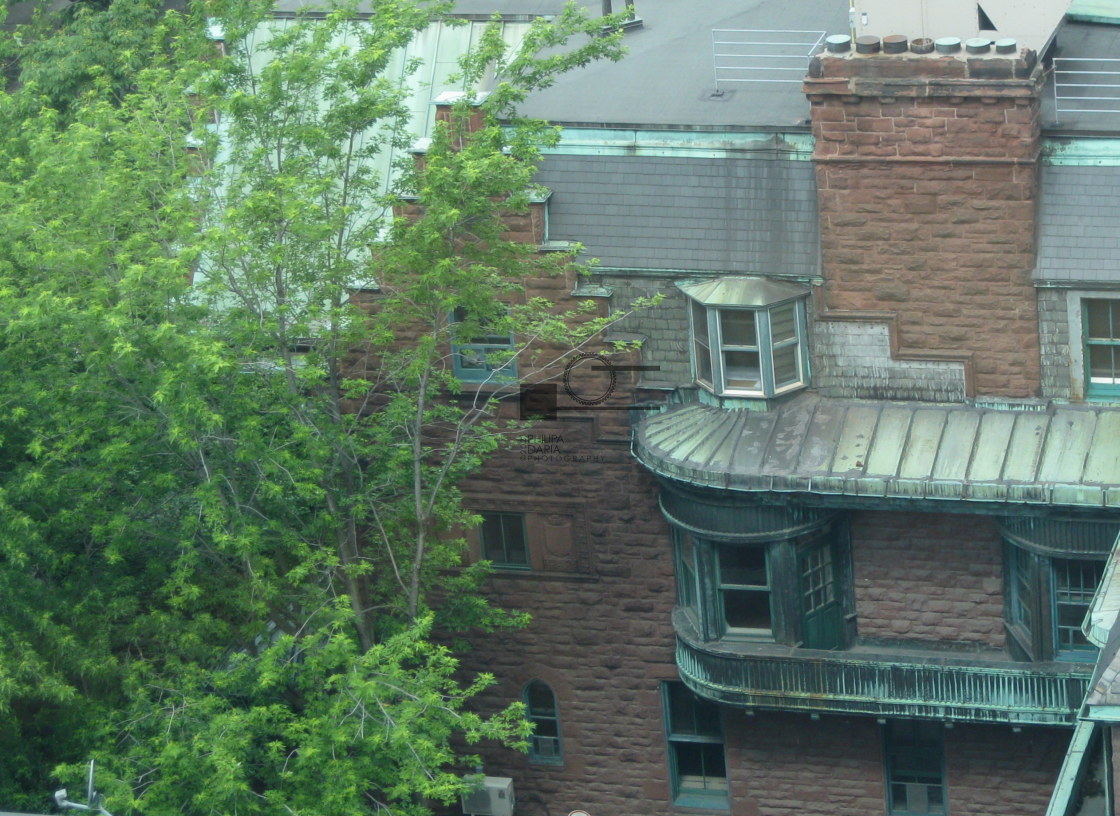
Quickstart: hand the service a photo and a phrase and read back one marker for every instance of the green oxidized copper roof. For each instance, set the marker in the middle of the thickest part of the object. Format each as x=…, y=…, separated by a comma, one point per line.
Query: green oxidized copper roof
x=741, y=291
x=1065, y=456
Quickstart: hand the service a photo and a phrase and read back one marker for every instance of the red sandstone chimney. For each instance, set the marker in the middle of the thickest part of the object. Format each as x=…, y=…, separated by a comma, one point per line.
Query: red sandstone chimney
x=927, y=172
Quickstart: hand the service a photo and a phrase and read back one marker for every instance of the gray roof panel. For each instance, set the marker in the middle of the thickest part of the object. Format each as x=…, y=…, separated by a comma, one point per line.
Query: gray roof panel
x=1079, y=224
x=752, y=216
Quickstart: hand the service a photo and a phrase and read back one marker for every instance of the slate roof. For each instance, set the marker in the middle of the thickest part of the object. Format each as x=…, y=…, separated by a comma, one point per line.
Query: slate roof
x=1066, y=456
x=1079, y=225
x=698, y=214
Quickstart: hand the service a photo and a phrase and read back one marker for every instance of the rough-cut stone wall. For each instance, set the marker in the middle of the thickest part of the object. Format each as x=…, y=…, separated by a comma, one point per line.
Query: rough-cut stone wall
x=788, y=763
x=603, y=640
x=928, y=577
x=994, y=771
x=927, y=176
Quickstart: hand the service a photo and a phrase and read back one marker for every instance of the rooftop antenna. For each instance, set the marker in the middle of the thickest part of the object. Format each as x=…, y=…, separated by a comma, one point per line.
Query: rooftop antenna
x=93, y=798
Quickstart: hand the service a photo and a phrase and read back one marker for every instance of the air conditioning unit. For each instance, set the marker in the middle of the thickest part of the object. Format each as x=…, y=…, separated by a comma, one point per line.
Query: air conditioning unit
x=494, y=797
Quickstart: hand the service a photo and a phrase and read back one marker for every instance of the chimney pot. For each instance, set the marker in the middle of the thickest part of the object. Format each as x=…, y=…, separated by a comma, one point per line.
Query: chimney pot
x=922, y=45
x=978, y=45
x=867, y=44
x=894, y=44
x=947, y=45
x=1007, y=46
x=838, y=43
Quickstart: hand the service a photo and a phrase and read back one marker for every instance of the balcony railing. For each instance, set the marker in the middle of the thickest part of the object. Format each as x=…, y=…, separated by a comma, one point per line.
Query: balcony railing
x=841, y=682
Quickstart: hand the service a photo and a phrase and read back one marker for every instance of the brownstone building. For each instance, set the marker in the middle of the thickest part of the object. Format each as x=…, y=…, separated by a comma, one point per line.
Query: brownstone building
x=841, y=542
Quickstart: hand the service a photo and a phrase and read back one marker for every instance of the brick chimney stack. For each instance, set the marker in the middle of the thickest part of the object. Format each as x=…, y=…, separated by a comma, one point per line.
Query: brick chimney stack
x=927, y=167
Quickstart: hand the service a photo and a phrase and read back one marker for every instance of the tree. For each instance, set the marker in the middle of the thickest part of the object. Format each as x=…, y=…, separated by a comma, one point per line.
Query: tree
x=228, y=494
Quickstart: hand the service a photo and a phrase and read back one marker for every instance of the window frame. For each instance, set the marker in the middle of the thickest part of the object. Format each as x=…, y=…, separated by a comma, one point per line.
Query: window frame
x=1086, y=651
x=765, y=346
x=680, y=739
x=501, y=518
x=790, y=623
x=535, y=756
x=686, y=573
x=1032, y=604
x=1102, y=389
x=487, y=347
x=893, y=752
x=723, y=588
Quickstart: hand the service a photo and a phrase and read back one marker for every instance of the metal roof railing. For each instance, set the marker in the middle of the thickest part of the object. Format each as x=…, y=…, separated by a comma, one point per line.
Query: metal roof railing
x=762, y=55
x=1086, y=85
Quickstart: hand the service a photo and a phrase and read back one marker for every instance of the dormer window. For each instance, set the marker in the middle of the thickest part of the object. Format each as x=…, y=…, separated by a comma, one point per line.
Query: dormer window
x=748, y=336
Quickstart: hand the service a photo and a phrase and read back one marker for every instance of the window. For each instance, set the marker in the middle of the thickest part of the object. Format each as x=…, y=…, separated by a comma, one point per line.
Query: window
x=794, y=589
x=915, y=769
x=1047, y=598
x=484, y=353
x=1022, y=585
x=697, y=767
x=503, y=539
x=744, y=589
x=1101, y=326
x=686, y=571
x=541, y=711
x=748, y=336
x=1074, y=581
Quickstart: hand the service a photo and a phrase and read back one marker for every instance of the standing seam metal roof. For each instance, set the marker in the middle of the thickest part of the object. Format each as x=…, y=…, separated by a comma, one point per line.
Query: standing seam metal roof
x=1067, y=456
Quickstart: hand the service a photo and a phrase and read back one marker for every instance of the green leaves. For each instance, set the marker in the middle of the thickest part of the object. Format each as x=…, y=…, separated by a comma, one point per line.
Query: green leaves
x=232, y=439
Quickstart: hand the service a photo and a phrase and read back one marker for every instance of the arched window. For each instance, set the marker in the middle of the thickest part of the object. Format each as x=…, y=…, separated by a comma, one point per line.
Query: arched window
x=541, y=711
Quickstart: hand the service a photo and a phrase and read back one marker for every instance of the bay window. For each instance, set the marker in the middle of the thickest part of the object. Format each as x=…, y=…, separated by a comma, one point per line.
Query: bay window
x=748, y=336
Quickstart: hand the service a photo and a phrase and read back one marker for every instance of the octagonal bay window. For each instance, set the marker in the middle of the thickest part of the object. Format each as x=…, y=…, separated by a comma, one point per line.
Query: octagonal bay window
x=748, y=336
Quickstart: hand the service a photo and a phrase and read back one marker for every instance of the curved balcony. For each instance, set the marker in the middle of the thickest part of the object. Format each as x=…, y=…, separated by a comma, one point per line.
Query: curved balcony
x=883, y=682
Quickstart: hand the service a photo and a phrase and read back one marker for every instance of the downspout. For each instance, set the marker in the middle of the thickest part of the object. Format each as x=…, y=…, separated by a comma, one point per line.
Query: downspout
x=1071, y=768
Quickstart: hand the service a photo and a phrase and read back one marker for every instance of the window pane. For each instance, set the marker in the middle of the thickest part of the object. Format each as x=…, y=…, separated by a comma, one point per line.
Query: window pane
x=1103, y=319
x=1075, y=581
x=541, y=701
x=700, y=766
x=492, y=549
x=503, y=539
x=686, y=575
x=1022, y=587
x=703, y=362
x=737, y=328
x=1102, y=365
x=783, y=323
x=690, y=715
x=816, y=579
x=746, y=609
x=786, y=369
x=742, y=566
x=701, y=346
x=700, y=323
x=741, y=369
